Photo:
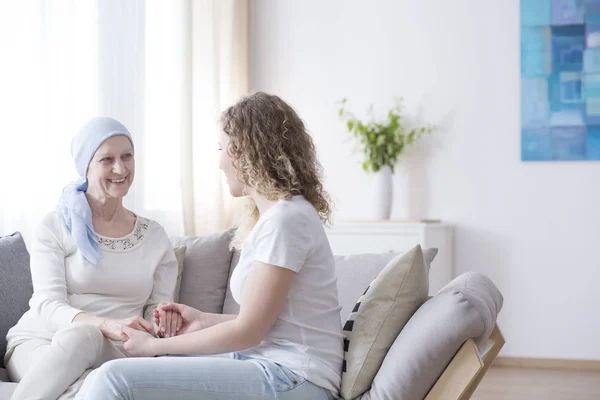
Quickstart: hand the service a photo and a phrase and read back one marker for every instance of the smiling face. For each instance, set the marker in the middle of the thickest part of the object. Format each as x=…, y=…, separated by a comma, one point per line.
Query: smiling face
x=236, y=188
x=111, y=171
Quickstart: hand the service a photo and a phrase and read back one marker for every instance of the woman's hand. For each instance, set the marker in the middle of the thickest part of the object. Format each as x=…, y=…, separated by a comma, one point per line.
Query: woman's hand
x=139, y=343
x=169, y=322
x=188, y=318
x=111, y=328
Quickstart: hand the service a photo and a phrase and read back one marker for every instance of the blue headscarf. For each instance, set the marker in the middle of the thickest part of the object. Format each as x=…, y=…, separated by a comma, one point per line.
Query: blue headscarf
x=73, y=203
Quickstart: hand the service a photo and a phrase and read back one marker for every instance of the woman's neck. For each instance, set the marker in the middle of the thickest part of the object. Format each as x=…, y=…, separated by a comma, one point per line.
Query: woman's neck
x=107, y=210
x=262, y=203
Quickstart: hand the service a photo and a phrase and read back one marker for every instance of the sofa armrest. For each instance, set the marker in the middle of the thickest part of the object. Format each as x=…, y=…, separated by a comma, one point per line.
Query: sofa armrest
x=464, y=373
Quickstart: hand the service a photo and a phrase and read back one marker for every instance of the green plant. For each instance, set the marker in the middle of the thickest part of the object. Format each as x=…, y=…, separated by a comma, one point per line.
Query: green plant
x=383, y=141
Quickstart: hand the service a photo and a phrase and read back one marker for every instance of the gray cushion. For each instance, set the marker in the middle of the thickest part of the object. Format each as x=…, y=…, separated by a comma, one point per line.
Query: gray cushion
x=15, y=285
x=205, y=270
x=356, y=272
x=3, y=375
x=466, y=308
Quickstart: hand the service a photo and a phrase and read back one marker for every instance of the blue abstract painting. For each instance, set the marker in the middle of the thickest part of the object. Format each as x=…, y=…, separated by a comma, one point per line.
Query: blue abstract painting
x=560, y=80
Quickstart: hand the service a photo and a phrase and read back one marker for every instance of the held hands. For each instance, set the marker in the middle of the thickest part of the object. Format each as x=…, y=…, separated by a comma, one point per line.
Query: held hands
x=136, y=332
x=139, y=343
x=176, y=319
x=111, y=328
x=168, y=321
x=172, y=319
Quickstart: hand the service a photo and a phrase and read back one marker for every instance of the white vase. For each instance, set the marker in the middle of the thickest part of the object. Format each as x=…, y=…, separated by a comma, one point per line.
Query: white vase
x=383, y=193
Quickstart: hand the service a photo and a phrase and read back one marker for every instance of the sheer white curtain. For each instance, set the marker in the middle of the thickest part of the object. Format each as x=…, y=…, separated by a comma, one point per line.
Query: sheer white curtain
x=199, y=61
x=219, y=76
x=165, y=69
x=49, y=79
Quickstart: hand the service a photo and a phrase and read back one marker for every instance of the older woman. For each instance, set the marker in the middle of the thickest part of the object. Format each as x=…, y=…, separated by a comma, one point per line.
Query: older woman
x=96, y=267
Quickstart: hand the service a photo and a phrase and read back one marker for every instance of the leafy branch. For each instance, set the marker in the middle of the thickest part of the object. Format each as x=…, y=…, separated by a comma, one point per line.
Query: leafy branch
x=383, y=142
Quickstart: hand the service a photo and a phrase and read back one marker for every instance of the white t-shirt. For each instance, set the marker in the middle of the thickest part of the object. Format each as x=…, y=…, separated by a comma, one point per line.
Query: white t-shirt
x=307, y=336
x=134, y=274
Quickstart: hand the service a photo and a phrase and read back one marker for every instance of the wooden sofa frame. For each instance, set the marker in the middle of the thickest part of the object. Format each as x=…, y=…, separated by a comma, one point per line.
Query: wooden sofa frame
x=464, y=373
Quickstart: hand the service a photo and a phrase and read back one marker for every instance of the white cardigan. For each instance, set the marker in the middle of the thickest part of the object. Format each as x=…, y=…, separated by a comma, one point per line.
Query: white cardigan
x=134, y=274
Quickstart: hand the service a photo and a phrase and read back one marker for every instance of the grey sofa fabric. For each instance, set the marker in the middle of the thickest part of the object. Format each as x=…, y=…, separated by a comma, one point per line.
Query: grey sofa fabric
x=483, y=295
x=6, y=388
x=466, y=308
x=15, y=285
x=205, y=270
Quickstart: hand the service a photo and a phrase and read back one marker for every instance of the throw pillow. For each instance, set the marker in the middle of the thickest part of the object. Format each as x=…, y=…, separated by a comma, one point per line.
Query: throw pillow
x=180, y=256
x=378, y=317
x=15, y=285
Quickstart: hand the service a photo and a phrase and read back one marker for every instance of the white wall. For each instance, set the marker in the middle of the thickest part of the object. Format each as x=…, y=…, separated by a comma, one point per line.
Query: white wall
x=532, y=227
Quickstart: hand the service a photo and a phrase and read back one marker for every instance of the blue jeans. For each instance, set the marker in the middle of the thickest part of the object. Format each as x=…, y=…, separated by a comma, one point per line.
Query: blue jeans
x=223, y=377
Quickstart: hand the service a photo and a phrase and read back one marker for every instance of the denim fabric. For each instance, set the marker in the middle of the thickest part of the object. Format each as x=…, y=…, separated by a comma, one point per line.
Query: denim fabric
x=224, y=377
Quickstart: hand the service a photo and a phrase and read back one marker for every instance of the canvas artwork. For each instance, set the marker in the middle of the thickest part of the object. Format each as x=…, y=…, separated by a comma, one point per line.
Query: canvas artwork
x=560, y=80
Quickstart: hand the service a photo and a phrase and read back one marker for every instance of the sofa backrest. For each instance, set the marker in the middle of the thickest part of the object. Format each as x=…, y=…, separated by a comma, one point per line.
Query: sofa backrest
x=354, y=274
x=206, y=268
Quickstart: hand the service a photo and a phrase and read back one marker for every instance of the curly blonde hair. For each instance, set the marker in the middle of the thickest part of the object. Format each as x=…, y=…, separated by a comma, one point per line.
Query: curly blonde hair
x=273, y=153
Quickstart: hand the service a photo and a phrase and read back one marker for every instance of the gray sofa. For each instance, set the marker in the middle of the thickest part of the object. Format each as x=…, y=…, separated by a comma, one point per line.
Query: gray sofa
x=429, y=358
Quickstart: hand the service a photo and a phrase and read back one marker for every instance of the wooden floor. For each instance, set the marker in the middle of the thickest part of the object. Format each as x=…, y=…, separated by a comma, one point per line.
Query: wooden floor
x=533, y=384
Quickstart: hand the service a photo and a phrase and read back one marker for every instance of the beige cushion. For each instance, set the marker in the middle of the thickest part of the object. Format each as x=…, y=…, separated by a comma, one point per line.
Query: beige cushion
x=466, y=308
x=379, y=316
x=180, y=256
x=205, y=270
x=355, y=272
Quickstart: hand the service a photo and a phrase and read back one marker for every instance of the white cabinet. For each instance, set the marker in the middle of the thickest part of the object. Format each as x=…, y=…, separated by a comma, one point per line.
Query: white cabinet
x=348, y=238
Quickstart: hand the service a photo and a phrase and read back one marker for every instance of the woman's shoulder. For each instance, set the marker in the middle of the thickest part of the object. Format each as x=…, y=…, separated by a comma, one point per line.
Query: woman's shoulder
x=147, y=222
x=51, y=228
x=295, y=210
x=295, y=216
x=53, y=221
x=151, y=229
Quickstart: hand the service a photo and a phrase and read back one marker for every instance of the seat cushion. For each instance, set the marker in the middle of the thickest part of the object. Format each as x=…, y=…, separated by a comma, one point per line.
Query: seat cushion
x=15, y=285
x=378, y=317
x=6, y=390
x=205, y=270
x=466, y=308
